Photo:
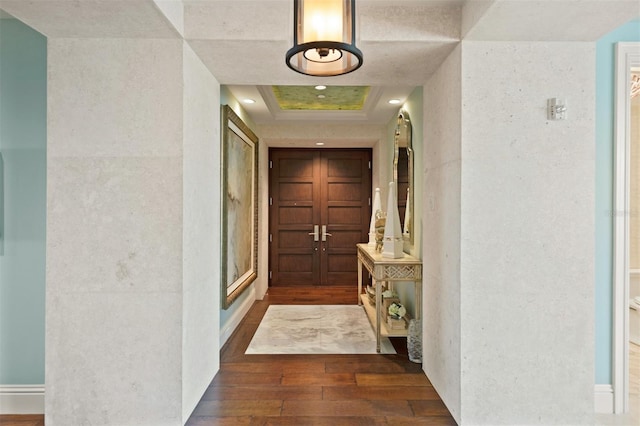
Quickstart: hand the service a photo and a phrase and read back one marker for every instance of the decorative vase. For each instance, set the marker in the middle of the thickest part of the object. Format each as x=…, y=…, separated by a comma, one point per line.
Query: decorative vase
x=393, y=242
x=414, y=340
x=374, y=209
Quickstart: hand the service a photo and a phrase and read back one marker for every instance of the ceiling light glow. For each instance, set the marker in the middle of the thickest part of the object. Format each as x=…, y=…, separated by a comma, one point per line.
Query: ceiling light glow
x=394, y=101
x=248, y=101
x=321, y=87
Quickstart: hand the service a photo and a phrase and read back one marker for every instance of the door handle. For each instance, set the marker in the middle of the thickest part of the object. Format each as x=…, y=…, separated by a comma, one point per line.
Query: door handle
x=325, y=234
x=315, y=233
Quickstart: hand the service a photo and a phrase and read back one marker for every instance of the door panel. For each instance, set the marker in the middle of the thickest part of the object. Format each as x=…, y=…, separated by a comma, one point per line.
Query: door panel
x=296, y=191
x=292, y=216
x=309, y=187
x=346, y=213
x=344, y=191
x=296, y=215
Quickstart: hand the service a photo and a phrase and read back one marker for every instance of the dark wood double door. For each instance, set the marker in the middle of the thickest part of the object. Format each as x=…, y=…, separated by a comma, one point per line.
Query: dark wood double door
x=319, y=210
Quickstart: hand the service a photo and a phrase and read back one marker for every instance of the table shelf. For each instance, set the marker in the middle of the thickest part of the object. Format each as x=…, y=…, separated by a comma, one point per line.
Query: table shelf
x=389, y=271
x=371, y=313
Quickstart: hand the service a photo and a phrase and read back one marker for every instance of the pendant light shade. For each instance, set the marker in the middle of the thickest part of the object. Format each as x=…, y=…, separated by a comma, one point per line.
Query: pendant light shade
x=324, y=33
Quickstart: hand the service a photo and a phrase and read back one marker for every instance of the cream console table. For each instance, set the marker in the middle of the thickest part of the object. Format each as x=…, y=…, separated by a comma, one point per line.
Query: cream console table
x=387, y=270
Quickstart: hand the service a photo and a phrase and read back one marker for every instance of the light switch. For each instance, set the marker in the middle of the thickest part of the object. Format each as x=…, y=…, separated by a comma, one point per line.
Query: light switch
x=556, y=109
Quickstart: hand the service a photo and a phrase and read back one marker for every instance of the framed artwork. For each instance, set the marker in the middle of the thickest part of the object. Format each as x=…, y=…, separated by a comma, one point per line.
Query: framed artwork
x=239, y=206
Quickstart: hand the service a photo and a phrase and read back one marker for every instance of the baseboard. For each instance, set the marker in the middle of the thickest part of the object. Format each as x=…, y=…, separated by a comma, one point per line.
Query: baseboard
x=603, y=401
x=229, y=327
x=21, y=399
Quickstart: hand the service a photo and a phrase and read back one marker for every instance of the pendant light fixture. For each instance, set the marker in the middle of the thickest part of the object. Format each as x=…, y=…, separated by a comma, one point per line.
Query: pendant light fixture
x=324, y=33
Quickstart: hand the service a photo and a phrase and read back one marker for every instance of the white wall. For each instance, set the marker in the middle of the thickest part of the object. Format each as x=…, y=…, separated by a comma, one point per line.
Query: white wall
x=201, y=237
x=510, y=340
x=114, y=234
x=527, y=233
x=132, y=261
x=441, y=357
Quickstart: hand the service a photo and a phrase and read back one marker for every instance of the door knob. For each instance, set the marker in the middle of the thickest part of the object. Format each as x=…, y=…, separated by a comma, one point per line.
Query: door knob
x=325, y=234
x=315, y=233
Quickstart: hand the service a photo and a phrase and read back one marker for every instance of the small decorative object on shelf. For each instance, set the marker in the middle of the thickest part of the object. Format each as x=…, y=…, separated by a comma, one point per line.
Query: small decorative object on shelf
x=396, y=313
x=396, y=310
x=389, y=293
x=377, y=206
x=386, y=304
x=381, y=219
x=396, y=323
x=371, y=295
x=414, y=341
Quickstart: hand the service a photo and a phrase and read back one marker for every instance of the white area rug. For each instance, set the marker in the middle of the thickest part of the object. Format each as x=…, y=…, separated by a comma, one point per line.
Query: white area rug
x=316, y=329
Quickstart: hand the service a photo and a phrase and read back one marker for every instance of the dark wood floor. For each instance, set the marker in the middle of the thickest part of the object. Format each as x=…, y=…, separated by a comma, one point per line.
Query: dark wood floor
x=301, y=390
x=316, y=389
x=22, y=420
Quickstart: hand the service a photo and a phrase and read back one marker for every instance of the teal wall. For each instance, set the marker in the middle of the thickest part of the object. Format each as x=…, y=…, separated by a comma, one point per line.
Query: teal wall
x=23, y=125
x=605, y=67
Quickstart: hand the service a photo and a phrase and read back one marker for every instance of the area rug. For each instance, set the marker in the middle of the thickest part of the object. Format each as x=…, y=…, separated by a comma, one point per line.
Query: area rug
x=316, y=329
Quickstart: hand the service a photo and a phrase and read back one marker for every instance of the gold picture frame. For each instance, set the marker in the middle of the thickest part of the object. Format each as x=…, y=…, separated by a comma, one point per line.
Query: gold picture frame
x=239, y=247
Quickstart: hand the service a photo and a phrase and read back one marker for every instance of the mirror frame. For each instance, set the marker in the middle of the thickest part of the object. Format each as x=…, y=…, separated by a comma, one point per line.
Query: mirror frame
x=403, y=139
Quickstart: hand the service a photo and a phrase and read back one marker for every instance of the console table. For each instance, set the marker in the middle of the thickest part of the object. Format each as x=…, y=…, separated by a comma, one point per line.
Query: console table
x=387, y=270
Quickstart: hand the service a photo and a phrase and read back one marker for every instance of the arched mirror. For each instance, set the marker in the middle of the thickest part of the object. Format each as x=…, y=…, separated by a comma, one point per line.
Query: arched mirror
x=403, y=174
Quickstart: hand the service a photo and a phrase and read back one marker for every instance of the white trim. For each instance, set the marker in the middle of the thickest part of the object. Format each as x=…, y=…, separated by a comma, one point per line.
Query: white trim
x=229, y=327
x=21, y=399
x=603, y=400
x=627, y=55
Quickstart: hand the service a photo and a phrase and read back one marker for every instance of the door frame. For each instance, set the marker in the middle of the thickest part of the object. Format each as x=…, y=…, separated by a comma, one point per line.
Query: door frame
x=627, y=56
x=373, y=177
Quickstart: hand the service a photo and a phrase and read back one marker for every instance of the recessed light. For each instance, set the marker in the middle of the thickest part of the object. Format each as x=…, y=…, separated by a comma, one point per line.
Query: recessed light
x=319, y=143
x=248, y=101
x=321, y=96
x=394, y=101
x=321, y=87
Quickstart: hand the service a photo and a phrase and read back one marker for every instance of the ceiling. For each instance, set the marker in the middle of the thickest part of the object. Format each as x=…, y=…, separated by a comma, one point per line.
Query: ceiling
x=243, y=42
x=401, y=41
x=320, y=98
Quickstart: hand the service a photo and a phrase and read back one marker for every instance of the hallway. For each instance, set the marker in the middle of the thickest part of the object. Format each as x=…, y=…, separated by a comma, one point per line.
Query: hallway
x=316, y=390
